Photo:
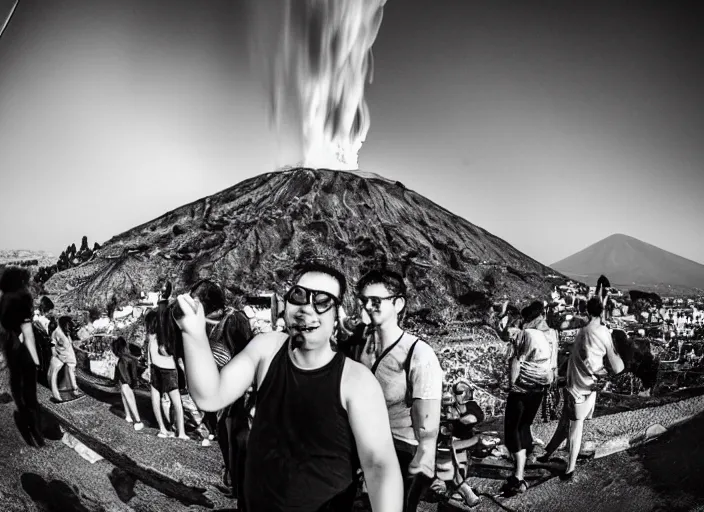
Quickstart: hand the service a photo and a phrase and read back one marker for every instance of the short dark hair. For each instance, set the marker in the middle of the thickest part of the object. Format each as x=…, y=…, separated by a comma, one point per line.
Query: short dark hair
x=119, y=346
x=322, y=268
x=66, y=324
x=45, y=304
x=595, y=307
x=532, y=311
x=210, y=294
x=582, y=306
x=392, y=280
x=14, y=279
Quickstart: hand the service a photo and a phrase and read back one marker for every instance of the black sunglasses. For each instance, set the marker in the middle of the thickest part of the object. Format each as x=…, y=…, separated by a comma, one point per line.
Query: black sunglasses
x=376, y=301
x=321, y=301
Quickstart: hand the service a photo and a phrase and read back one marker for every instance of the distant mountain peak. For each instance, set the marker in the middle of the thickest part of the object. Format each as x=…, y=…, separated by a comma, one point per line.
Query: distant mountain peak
x=628, y=261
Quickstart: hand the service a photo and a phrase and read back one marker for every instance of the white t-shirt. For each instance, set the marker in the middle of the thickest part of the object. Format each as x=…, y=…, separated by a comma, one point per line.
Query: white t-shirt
x=425, y=375
x=590, y=347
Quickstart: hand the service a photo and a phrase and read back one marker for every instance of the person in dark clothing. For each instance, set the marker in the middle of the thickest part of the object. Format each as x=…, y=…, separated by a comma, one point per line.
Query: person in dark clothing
x=228, y=333
x=42, y=336
x=319, y=415
x=127, y=377
x=19, y=347
x=531, y=369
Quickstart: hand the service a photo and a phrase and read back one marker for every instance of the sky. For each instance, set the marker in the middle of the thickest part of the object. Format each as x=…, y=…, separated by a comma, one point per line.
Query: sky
x=550, y=124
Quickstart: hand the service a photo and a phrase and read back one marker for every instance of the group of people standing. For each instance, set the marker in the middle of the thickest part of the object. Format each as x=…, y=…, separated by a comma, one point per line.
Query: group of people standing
x=533, y=370
x=331, y=396
x=301, y=415
x=228, y=332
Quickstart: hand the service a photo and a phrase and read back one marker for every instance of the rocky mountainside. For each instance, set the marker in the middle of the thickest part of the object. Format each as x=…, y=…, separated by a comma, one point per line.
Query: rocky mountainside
x=629, y=262
x=250, y=235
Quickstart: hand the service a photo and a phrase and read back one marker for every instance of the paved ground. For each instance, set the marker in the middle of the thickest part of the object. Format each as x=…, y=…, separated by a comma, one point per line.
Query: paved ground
x=664, y=475
x=56, y=479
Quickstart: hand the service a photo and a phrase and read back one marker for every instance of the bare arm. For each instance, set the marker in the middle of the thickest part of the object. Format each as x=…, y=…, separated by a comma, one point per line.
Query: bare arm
x=614, y=359
x=210, y=389
x=425, y=416
x=369, y=421
x=469, y=419
x=29, y=341
x=157, y=358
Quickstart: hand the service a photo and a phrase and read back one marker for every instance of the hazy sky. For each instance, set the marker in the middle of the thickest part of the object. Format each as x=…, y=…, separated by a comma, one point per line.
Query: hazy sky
x=550, y=124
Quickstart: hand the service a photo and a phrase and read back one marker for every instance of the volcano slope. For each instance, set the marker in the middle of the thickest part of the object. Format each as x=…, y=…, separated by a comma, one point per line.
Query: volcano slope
x=249, y=236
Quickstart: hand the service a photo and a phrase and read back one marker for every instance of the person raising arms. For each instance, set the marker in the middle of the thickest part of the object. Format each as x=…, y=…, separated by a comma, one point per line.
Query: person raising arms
x=318, y=414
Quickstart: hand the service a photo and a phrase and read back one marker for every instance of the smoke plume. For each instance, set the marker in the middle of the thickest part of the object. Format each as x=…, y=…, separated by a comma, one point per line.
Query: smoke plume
x=314, y=57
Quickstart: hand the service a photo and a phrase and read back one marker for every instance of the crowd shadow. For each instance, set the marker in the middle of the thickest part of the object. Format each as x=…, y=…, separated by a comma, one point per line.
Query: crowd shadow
x=54, y=496
x=675, y=461
x=123, y=483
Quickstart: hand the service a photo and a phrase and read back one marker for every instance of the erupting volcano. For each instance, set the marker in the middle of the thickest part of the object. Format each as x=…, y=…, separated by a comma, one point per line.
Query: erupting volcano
x=249, y=236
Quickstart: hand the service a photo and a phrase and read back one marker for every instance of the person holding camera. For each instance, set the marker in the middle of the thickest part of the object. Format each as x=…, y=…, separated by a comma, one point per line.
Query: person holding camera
x=318, y=414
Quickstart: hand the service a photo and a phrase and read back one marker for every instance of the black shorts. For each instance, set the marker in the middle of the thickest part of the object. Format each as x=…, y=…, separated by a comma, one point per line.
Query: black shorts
x=164, y=380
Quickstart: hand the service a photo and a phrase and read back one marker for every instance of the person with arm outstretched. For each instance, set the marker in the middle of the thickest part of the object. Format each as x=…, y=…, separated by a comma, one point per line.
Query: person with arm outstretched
x=319, y=415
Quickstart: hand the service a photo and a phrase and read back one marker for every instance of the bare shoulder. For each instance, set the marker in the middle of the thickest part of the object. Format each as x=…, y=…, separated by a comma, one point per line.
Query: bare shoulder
x=266, y=343
x=424, y=352
x=358, y=382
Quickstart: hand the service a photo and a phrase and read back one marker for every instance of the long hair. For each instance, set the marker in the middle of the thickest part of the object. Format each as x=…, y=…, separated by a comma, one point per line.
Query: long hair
x=16, y=302
x=14, y=279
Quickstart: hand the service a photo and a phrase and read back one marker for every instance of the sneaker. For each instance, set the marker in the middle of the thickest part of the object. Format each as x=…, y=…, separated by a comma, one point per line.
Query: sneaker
x=129, y=419
x=138, y=426
x=205, y=442
x=168, y=433
x=211, y=437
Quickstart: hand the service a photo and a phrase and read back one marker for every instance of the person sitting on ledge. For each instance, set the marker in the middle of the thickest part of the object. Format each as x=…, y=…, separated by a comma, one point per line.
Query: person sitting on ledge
x=318, y=414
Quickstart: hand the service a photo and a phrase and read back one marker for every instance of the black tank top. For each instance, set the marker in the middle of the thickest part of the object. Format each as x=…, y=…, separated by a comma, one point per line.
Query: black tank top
x=301, y=454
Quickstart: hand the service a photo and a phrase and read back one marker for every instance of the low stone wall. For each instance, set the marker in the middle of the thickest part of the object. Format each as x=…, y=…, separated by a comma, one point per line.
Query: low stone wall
x=612, y=433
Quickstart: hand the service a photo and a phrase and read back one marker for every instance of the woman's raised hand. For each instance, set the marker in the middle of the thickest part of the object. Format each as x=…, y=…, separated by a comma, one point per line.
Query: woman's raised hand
x=193, y=320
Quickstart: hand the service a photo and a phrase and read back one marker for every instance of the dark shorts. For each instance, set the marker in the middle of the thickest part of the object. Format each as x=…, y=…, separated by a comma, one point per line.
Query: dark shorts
x=164, y=380
x=124, y=374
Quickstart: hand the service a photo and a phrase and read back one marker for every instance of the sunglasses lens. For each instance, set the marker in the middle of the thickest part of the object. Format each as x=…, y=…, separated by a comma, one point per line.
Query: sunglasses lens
x=298, y=296
x=323, y=301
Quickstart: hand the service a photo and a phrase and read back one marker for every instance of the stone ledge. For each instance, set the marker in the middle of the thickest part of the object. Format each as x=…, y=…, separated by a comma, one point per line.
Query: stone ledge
x=612, y=433
x=183, y=470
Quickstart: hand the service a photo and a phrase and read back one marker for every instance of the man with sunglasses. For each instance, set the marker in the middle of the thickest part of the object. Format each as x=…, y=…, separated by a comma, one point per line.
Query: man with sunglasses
x=318, y=414
x=410, y=376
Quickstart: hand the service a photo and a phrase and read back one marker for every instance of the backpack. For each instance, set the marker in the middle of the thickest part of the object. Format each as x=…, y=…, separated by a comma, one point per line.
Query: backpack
x=538, y=376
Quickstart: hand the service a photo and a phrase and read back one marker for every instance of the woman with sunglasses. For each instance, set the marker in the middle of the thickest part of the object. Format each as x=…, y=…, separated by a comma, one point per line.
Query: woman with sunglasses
x=318, y=414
